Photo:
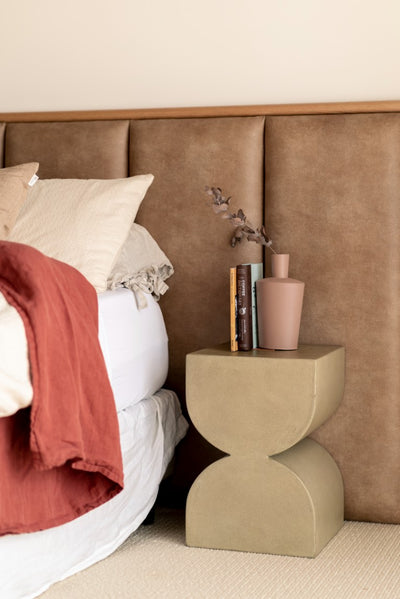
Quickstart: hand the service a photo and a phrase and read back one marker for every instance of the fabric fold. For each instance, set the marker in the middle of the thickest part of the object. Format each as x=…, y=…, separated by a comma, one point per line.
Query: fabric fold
x=61, y=457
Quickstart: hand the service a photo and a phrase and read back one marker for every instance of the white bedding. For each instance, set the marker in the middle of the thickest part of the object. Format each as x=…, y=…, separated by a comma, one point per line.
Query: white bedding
x=135, y=348
x=134, y=344
x=15, y=386
x=30, y=563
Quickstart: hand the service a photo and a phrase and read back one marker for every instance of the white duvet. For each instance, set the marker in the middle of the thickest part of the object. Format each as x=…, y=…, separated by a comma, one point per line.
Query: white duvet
x=134, y=344
x=15, y=383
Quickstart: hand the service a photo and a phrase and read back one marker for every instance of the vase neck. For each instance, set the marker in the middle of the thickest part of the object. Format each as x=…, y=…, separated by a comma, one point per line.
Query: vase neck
x=280, y=265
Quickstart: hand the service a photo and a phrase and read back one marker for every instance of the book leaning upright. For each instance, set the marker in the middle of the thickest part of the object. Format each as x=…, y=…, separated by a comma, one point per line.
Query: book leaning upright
x=233, y=308
x=254, y=271
x=257, y=272
x=244, y=308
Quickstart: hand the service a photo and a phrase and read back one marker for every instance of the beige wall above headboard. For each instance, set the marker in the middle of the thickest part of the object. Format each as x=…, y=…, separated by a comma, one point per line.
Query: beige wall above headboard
x=326, y=179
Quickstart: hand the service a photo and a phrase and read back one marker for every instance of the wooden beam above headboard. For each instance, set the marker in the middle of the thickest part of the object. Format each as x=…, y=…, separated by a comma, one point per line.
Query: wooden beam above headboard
x=205, y=111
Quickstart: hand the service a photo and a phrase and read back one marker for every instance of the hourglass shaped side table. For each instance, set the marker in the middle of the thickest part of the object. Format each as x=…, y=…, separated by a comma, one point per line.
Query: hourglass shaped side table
x=277, y=491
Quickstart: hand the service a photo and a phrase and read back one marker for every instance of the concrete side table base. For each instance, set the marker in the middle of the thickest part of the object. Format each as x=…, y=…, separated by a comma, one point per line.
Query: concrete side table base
x=290, y=503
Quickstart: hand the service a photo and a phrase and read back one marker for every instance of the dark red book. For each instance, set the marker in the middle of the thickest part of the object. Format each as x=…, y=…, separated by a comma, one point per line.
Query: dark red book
x=244, y=307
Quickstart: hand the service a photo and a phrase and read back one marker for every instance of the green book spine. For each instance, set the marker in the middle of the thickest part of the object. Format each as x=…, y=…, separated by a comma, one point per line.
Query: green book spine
x=257, y=272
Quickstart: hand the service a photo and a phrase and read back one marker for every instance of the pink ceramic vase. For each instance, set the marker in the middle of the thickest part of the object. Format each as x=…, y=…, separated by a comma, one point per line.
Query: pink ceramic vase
x=279, y=306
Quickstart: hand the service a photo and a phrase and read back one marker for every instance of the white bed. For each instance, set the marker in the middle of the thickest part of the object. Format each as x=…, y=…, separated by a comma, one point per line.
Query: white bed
x=135, y=346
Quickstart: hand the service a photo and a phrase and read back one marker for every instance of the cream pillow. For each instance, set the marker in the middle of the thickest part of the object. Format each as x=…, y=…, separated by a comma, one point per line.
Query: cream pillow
x=14, y=185
x=81, y=222
x=141, y=266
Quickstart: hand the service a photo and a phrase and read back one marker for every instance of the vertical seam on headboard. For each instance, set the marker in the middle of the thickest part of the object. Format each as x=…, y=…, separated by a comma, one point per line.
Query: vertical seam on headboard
x=3, y=149
x=264, y=215
x=129, y=147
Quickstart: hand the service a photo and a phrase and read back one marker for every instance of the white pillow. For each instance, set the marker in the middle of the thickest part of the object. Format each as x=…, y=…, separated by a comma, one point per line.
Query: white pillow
x=81, y=222
x=141, y=266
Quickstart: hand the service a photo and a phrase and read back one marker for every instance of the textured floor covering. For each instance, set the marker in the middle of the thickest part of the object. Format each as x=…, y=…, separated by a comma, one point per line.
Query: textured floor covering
x=361, y=562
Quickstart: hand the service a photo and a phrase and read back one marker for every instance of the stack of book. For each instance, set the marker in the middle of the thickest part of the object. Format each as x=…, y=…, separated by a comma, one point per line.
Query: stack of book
x=243, y=306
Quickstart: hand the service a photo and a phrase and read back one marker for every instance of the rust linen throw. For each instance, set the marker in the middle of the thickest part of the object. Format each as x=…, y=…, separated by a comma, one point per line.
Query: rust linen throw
x=61, y=457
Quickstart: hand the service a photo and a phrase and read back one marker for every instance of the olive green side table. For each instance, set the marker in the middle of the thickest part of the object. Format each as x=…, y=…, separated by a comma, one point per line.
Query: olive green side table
x=277, y=491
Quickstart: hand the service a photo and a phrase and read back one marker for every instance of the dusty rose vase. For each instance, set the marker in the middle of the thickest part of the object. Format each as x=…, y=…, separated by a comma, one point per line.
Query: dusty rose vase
x=279, y=306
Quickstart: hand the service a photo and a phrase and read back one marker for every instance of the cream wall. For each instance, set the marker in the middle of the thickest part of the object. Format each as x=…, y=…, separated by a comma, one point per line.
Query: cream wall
x=88, y=54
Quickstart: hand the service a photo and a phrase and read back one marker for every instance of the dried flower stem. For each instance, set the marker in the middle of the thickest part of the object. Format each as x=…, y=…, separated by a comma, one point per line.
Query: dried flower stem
x=242, y=226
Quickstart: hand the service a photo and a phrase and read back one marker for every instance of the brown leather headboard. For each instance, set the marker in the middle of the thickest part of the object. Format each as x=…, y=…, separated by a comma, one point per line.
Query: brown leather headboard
x=330, y=179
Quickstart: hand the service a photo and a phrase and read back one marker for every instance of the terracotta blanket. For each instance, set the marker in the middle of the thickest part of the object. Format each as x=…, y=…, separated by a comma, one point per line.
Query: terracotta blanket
x=61, y=457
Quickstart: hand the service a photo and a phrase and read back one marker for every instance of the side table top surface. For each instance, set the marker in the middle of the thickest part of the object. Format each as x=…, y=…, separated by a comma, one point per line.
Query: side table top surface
x=304, y=352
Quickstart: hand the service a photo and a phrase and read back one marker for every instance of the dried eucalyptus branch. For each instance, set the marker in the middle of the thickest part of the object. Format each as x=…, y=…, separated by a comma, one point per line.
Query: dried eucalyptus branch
x=242, y=226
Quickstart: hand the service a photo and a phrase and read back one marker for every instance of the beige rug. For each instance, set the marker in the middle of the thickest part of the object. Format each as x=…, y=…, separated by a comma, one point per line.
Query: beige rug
x=361, y=562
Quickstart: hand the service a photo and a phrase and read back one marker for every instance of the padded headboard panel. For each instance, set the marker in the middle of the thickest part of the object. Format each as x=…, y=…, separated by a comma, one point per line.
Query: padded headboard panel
x=185, y=155
x=332, y=195
x=332, y=184
x=75, y=150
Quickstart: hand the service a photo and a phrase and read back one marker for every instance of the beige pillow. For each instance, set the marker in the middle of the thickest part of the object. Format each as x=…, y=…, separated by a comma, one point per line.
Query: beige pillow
x=81, y=222
x=141, y=266
x=14, y=185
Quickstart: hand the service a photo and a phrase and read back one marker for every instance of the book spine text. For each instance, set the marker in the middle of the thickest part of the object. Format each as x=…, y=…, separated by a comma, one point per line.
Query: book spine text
x=244, y=308
x=233, y=309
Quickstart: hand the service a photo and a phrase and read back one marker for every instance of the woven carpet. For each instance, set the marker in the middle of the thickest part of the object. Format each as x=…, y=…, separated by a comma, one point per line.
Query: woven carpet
x=361, y=562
